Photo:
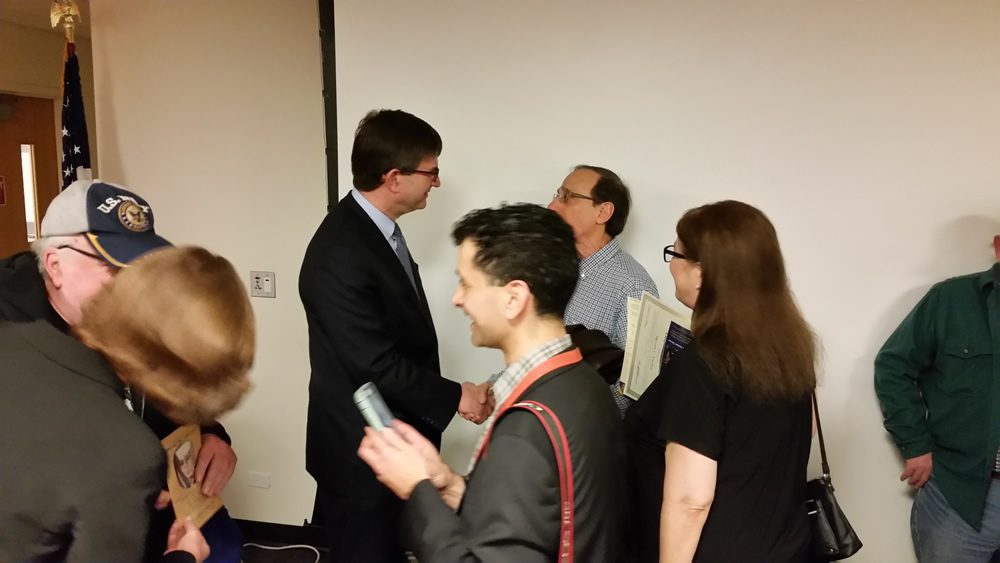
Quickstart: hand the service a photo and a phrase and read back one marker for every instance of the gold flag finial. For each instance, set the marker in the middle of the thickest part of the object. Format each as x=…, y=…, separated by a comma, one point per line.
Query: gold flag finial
x=67, y=13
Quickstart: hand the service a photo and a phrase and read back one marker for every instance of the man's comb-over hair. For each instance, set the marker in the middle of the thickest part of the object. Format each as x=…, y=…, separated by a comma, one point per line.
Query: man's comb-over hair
x=610, y=188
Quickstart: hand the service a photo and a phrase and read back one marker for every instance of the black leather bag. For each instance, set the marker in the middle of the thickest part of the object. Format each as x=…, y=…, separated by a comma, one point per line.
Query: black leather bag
x=598, y=351
x=833, y=538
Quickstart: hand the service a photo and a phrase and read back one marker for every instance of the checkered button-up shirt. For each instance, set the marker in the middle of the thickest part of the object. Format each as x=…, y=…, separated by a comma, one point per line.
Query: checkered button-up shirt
x=607, y=279
x=510, y=377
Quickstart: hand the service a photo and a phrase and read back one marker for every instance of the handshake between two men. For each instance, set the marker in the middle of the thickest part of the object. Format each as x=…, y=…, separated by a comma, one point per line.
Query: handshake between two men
x=477, y=402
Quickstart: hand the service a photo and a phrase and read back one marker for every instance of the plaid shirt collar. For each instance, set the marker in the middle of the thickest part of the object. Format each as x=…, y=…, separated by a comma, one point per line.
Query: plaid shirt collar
x=596, y=260
x=516, y=371
x=510, y=377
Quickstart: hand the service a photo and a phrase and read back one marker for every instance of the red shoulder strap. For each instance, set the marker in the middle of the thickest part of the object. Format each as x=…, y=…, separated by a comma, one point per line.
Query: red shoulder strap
x=564, y=359
x=564, y=465
x=550, y=365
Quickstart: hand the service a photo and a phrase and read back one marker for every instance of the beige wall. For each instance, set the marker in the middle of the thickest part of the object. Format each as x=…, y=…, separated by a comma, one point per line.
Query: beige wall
x=31, y=64
x=868, y=132
x=213, y=111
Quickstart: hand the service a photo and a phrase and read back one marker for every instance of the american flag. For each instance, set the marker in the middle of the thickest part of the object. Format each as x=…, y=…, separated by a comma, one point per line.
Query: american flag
x=75, y=144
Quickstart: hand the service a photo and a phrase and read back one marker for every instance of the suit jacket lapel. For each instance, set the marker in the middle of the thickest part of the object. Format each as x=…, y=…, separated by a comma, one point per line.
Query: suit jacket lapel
x=424, y=308
x=384, y=252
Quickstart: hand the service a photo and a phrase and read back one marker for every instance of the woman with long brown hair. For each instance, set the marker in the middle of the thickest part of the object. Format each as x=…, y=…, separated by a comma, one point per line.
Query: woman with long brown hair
x=719, y=442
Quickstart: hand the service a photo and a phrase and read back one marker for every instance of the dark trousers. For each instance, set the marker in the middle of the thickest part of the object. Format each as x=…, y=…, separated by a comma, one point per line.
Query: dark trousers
x=223, y=535
x=364, y=528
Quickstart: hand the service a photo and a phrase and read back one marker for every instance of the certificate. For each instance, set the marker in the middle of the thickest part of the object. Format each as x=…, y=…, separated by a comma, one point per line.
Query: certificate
x=655, y=333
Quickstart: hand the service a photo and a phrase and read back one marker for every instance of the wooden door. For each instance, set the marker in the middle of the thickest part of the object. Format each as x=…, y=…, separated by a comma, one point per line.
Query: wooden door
x=25, y=121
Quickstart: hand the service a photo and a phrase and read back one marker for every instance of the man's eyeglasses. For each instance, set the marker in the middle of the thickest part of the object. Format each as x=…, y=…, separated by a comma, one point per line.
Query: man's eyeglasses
x=433, y=174
x=84, y=252
x=669, y=254
x=564, y=195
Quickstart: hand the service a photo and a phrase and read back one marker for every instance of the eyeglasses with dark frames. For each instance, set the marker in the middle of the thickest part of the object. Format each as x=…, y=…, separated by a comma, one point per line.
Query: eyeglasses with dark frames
x=669, y=253
x=433, y=174
x=84, y=252
x=565, y=194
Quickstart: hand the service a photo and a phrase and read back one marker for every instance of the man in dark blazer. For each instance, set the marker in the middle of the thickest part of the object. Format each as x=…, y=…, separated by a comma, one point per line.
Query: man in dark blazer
x=79, y=471
x=90, y=231
x=517, y=269
x=369, y=321
x=102, y=488
x=114, y=485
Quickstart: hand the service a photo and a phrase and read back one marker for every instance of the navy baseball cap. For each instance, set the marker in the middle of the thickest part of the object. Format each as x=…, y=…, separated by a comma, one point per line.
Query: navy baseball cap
x=117, y=222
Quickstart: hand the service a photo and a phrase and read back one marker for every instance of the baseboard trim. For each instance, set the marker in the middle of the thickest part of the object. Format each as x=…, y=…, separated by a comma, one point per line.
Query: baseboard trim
x=286, y=534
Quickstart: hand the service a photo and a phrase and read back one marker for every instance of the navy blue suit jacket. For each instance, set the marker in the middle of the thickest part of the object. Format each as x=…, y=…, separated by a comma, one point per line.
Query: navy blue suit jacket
x=366, y=323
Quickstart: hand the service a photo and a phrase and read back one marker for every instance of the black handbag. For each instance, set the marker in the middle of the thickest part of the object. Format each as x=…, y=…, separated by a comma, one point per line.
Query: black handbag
x=598, y=351
x=833, y=538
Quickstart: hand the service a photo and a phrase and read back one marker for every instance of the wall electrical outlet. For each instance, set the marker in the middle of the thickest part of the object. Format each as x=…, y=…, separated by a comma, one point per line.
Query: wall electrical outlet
x=261, y=284
x=259, y=479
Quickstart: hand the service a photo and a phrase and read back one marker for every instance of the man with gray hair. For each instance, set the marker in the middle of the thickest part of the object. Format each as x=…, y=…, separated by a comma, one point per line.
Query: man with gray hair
x=90, y=231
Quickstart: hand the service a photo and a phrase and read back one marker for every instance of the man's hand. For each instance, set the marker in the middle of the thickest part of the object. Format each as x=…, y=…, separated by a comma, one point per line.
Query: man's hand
x=491, y=400
x=450, y=484
x=185, y=536
x=163, y=500
x=397, y=463
x=917, y=470
x=216, y=463
x=477, y=402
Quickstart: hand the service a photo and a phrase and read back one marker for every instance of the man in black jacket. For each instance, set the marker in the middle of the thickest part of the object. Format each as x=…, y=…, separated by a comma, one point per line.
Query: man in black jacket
x=522, y=502
x=87, y=469
x=90, y=230
x=369, y=321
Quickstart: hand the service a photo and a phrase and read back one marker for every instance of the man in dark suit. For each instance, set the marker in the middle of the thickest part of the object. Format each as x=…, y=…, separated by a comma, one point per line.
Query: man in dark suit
x=522, y=502
x=369, y=321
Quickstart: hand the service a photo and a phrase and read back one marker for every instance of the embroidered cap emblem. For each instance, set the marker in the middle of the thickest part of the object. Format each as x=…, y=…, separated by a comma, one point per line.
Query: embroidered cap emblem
x=133, y=216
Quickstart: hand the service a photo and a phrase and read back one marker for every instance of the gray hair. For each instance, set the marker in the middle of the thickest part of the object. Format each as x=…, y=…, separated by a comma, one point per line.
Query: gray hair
x=41, y=244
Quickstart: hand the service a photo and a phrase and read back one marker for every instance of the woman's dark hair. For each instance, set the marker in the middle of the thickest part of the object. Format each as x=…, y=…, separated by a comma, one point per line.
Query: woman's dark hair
x=746, y=323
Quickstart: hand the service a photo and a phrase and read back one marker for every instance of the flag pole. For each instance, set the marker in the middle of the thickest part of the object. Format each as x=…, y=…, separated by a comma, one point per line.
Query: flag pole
x=67, y=13
x=75, y=163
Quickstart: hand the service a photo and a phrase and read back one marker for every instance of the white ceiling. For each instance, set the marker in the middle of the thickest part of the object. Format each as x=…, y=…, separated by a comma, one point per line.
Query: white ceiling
x=35, y=13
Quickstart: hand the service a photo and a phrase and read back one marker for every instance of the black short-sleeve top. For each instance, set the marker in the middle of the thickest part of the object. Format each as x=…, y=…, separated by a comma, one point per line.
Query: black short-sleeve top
x=762, y=449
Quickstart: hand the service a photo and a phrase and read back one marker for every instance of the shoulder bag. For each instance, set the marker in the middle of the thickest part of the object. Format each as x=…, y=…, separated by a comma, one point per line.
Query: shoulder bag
x=833, y=538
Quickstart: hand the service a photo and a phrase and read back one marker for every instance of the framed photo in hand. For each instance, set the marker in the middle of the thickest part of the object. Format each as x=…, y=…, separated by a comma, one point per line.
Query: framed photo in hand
x=182, y=447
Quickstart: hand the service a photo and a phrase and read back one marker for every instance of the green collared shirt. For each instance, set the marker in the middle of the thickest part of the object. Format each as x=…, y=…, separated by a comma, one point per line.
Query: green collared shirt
x=939, y=386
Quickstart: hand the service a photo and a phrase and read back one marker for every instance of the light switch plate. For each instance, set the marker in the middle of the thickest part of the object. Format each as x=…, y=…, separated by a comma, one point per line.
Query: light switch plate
x=259, y=479
x=262, y=284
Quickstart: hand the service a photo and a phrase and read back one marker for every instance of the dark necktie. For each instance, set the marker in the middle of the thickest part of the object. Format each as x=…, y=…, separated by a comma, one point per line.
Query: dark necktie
x=404, y=256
